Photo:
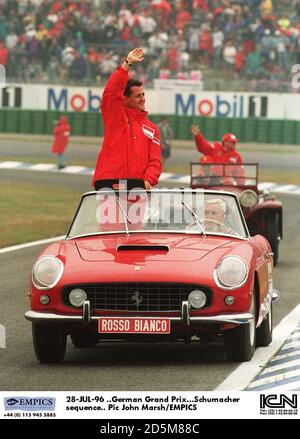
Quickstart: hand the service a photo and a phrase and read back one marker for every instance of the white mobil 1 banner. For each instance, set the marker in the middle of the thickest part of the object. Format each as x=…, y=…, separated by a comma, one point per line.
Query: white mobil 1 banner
x=199, y=103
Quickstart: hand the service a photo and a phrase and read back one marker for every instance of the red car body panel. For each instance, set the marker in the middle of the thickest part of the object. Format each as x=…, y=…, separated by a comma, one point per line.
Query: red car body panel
x=190, y=259
x=180, y=266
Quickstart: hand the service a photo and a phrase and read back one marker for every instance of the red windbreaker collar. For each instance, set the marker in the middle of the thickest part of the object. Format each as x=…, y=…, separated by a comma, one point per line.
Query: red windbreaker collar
x=136, y=114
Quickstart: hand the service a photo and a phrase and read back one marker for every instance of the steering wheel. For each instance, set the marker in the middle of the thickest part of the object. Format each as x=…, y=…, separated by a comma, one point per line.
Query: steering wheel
x=221, y=226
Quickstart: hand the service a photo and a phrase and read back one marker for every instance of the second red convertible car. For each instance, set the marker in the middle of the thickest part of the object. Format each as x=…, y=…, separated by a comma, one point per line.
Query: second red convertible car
x=262, y=211
x=154, y=266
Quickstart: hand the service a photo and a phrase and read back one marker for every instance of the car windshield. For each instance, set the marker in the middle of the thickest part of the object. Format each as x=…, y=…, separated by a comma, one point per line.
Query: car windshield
x=224, y=174
x=167, y=211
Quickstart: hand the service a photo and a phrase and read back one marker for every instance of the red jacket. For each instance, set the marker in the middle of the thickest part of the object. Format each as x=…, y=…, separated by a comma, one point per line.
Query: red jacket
x=131, y=146
x=61, y=133
x=3, y=55
x=217, y=151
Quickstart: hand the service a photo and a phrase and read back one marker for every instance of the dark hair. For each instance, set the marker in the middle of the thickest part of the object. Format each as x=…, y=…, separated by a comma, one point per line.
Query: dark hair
x=132, y=83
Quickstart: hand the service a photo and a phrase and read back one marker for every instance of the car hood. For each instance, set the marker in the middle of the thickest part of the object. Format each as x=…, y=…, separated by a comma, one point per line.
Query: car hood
x=134, y=248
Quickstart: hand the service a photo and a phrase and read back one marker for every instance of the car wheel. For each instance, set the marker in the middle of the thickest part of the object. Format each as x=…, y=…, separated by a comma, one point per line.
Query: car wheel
x=264, y=332
x=240, y=342
x=273, y=235
x=84, y=341
x=49, y=343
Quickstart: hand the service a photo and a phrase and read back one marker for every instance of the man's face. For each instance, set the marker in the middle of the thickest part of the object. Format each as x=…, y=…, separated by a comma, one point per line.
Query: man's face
x=136, y=99
x=229, y=146
x=213, y=211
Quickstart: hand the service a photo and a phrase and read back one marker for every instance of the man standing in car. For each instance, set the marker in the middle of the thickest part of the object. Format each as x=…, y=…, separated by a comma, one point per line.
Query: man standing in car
x=225, y=152
x=217, y=152
x=131, y=146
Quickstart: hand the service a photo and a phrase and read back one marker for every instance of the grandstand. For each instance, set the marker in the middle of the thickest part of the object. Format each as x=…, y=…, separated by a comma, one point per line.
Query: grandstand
x=247, y=45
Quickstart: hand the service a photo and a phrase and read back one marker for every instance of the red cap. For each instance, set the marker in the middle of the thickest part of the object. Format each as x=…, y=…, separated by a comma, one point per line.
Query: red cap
x=228, y=137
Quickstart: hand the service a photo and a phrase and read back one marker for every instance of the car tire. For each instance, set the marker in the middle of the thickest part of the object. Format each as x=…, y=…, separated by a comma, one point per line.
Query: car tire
x=84, y=341
x=49, y=343
x=264, y=332
x=240, y=342
x=273, y=235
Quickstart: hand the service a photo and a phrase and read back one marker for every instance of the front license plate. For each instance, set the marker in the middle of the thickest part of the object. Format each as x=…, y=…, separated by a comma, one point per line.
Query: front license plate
x=133, y=325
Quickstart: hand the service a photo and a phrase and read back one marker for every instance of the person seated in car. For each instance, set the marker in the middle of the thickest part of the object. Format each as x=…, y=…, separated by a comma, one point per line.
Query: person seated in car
x=215, y=214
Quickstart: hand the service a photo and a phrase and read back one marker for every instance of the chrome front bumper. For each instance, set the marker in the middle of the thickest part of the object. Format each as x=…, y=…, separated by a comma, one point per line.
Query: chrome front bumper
x=185, y=318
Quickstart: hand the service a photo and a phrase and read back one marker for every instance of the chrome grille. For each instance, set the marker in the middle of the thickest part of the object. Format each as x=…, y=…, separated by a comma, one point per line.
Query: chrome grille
x=136, y=296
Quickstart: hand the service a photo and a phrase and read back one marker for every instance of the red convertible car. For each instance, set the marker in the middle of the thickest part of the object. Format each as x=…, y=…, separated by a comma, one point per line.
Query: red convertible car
x=154, y=266
x=262, y=211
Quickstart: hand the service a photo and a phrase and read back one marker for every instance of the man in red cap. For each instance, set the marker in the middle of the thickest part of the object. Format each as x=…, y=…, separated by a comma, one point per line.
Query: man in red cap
x=224, y=152
x=216, y=152
x=131, y=147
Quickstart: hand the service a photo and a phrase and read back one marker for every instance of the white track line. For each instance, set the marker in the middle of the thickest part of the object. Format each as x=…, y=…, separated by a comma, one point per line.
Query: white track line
x=75, y=169
x=30, y=244
x=10, y=165
x=241, y=377
x=286, y=188
x=275, y=378
x=42, y=167
x=284, y=356
x=281, y=366
x=289, y=189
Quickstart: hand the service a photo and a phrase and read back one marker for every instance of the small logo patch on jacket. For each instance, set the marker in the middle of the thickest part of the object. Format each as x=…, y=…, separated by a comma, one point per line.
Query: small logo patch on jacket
x=148, y=131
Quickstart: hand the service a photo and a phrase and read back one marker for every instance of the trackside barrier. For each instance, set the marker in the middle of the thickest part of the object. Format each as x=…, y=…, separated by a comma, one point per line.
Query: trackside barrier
x=90, y=124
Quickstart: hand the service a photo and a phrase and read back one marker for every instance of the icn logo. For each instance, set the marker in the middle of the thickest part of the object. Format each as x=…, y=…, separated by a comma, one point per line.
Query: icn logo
x=2, y=337
x=278, y=401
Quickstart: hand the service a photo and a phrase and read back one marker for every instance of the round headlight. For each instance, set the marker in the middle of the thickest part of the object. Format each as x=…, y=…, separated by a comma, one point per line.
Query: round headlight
x=231, y=273
x=197, y=299
x=46, y=272
x=248, y=198
x=77, y=297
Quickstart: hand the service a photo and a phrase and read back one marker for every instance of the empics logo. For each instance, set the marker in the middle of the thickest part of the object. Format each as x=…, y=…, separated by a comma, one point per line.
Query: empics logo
x=279, y=404
x=29, y=404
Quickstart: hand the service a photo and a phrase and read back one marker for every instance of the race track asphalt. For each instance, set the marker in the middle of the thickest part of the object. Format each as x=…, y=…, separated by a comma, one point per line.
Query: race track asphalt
x=80, y=149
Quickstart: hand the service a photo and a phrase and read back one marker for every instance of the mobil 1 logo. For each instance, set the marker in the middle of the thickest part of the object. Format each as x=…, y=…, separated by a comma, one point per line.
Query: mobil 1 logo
x=279, y=404
x=11, y=97
x=258, y=106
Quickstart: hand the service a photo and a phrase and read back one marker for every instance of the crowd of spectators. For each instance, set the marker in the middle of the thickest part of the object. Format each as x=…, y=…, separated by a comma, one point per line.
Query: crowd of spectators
x=83, y=41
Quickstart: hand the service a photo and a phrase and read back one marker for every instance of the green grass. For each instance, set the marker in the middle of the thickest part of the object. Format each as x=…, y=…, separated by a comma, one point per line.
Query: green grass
x=30, y=212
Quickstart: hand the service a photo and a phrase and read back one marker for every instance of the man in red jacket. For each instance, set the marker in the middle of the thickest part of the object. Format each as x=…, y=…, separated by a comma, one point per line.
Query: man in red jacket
x=225, y=152
x=131, y=146
x=61, y=132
